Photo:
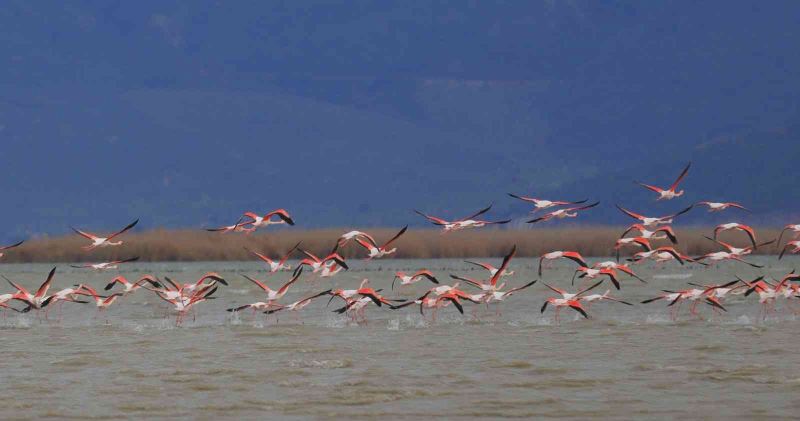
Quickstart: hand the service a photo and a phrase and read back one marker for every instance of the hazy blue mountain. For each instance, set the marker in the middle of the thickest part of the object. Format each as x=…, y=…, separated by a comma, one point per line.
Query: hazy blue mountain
x=187, y=113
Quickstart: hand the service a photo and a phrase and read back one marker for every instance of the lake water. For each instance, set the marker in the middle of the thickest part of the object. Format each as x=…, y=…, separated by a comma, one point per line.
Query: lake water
x=624, y=362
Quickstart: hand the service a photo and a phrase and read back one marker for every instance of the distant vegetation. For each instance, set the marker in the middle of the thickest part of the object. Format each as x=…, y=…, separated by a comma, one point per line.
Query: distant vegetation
x=185, y=245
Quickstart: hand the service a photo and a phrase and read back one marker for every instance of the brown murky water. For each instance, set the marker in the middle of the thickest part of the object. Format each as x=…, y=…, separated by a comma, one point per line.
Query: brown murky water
x=625, y=362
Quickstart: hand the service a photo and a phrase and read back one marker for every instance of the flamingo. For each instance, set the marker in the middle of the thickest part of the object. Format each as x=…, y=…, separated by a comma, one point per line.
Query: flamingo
x=346, y=294
x=491, y=269
x=620, y=267
x=105, y=265
x=590, y=273
x=101, y=302
x=794, y=228
x=129, y=287
x=671, y=192
x=724, y=255
x=721, y=206
x=266, y=220
x=558, y=303
x=739, y=251
x=633, y=241
x=98, y=241
x=660, y=255
x=491, y=284
x=795, y=248
x=297, y=305
x=571, y=255
x=413, y=278
x=66, y=294
x=693, y=295
x=735, y=226
x=562, y=213
x=4, y=248
x=541, y=204
x=667, y=231
x=648, y=221
x=669, y=296
x=352, y=235
x=276, y=265
x=375, y=251
x=459, y=224
x=330, y=270
x=589, y=299
x=272, y=295
x=317, y=264
x=181, y=305
x=502, y=295
x=237, y=227
x=38, y=300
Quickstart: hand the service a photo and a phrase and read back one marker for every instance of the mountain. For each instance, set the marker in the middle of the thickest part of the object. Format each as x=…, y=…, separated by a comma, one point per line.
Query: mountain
x=187, y=113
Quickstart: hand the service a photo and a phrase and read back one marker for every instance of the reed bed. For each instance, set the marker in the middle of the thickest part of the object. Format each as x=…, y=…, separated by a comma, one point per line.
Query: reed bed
x=195, y=245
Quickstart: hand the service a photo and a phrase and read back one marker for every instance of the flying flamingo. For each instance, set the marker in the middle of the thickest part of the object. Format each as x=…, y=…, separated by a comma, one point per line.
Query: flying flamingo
x=589, y=299
x=237, y=227
x=406, y=279
x=737, y=227
x=558, y=303
x=721, y=206
x=666, y=231
x=375, y=251
x=103, y=241
x=653, y=221
x=660, y=255
x=491, y=284
x=562, y=213
x=4, y=248
x=276, y=265
x=330, y=270
x=129, y=287
x=352, y=235
x=491, y=269
x=182, y=305
x=317, y=264
x=36, y=301
x=590, y=273
x=105, y=265
x=618, y=266
x=297, y=305
x=266, y=220
x=794, y=228
x=541, y=204
x=459, y=224
x=633, y=241
x=102, y=303
x=272, y=295
x=671, y=192
x=793, y=245
x=571, y=255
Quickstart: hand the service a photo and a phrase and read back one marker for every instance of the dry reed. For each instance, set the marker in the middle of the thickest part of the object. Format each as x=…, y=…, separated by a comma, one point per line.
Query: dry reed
x=186, y=245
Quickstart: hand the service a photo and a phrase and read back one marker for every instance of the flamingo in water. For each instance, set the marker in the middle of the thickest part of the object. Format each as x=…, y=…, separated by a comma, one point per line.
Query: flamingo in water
x=276, y=265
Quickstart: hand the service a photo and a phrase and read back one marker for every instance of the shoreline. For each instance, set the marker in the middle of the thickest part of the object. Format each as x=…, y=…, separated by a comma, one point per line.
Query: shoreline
x=197, y=245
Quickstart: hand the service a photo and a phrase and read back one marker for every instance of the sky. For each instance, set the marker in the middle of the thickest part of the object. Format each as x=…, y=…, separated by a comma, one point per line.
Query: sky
x=187, y=113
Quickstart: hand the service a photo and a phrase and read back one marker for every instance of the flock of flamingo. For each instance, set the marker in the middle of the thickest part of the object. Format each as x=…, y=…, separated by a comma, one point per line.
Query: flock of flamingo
x=183, y=298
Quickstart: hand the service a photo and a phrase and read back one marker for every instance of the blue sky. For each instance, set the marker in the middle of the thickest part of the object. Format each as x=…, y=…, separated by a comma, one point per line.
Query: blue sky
x=187, y=113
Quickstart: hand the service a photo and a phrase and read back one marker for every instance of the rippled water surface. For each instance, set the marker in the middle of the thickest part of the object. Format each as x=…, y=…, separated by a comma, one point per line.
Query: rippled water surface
x=625, y=362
